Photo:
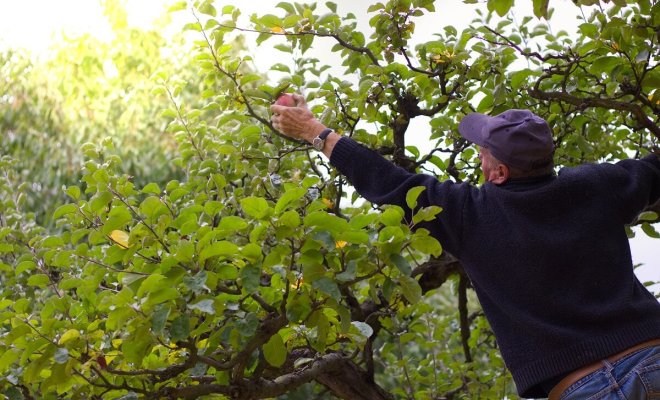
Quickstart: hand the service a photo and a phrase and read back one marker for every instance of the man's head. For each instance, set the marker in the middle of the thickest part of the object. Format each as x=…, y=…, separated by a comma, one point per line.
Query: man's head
x=519, y=139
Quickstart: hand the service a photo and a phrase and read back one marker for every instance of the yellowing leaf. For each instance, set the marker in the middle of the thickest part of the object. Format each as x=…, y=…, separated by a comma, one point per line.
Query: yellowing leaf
x=340, y=244
x=328, y=203
x=297, y=284
x=437, y=59
x=69, y=335
x=277, y=29
x=120, y=237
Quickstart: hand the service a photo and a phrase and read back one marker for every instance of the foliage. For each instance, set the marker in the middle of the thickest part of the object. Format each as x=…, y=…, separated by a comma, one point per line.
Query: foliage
x=245, y=271
x=84, y=90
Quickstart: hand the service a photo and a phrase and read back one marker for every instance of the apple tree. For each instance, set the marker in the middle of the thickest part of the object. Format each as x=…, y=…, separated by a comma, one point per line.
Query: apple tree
x=256, y=271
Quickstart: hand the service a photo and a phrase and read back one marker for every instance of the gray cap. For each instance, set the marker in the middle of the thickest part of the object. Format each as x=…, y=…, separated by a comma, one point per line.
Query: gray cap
x=518, y=138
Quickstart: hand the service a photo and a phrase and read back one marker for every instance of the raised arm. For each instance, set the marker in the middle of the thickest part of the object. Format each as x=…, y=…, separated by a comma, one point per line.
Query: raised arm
x=377, y=179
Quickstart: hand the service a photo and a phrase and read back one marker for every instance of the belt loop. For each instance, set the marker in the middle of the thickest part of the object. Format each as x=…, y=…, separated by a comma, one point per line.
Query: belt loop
x=607, y=365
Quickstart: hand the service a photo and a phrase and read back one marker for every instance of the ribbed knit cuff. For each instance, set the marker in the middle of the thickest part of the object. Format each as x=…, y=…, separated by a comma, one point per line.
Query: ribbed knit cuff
x=344, y=151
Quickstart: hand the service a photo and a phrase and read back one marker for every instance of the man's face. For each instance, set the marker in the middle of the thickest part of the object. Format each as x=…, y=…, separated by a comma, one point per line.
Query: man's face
x=489, y=165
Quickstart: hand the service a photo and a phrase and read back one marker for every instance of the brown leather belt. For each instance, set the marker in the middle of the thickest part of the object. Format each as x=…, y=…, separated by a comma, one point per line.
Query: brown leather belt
x=576, y=375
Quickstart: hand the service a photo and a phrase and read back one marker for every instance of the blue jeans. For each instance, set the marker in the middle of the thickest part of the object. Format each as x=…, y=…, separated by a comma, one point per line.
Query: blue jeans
x=633, y=377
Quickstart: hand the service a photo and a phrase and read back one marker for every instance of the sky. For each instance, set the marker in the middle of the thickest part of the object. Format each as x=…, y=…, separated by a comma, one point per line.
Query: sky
x=35, y=24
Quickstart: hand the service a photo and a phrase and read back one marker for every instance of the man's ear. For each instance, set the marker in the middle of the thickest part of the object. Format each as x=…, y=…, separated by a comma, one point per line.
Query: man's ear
x=502, y=174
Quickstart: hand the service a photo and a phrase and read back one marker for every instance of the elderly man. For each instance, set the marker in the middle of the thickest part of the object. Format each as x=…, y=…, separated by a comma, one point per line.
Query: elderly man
x=547, y=254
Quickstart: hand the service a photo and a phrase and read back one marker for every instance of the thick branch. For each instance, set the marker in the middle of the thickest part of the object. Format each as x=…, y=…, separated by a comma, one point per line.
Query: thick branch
x=436, y=271
x=333, y=370
x=636, y=111
x=464, y=319
x=348, y=381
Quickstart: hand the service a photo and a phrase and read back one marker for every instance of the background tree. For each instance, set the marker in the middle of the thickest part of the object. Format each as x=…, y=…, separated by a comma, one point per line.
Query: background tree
x=246, y=267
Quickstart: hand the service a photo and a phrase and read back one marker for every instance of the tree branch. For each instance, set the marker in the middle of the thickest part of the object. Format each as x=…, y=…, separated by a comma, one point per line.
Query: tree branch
x=636, y=111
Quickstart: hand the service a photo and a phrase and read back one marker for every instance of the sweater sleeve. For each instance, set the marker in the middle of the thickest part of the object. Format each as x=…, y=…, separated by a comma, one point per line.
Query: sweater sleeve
x=381, y=182
x=636, y=184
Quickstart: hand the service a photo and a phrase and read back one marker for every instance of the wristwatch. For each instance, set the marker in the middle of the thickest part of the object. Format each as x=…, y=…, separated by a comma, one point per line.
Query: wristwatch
x=319, y=141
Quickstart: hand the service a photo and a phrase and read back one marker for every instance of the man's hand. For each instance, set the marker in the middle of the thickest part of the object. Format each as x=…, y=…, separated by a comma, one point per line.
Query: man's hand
x=297, y=122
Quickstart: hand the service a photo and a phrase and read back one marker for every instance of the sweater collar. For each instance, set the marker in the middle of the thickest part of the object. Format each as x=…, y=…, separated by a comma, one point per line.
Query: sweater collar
x=527, y=183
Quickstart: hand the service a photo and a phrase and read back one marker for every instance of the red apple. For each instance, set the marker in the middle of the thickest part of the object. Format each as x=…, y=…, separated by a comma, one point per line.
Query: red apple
x=286, y=100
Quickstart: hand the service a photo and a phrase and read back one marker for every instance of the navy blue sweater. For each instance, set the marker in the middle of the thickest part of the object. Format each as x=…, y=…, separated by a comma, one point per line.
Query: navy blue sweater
x=548, y=258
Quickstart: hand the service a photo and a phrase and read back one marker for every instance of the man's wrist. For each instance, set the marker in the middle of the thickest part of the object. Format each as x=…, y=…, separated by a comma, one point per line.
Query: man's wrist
x=319, y=141
x=314, y=132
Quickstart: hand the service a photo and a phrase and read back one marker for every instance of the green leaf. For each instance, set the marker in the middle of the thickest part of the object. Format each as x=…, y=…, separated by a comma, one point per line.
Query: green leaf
x=196, y=283
x=604, y=64
x=38, y=280
x=178, y=6
x=159, y=319
x=152, y=283
x=64, y=210
x=325, y=221
x=73, y=192
x=100, y=200
x=401, y=263
x=275, y=351
x=519, y=77
x=118, y=218
x=412, y=195
x=137, y=346
x=647, y=216
x=205, y=305
x=252, y=252
x=298, y=307
x=232, y=223
x=271, y=20
x=392, y=216
x=221, y=248
x=180, y=328
x=500, y=6
x=363, y=328
x=288, y=7
x=152, y=207
x=650, y=230
x=250, y=276
x=161, y=296
x=256, y=207
x=151, y=188
x=8, y=357
x=589, y=30
x=426, y=214
x=541, y=8
x=410, y=289
x=362, y=220
x=71, y=334
x=23, y=266
x=312, y=271
x=288, y=197
x=52, y=241
x=290, y=218
x=327, y=286
x=426, y=244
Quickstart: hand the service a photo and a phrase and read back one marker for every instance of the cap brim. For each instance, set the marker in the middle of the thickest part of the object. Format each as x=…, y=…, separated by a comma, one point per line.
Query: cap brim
x=471, y=127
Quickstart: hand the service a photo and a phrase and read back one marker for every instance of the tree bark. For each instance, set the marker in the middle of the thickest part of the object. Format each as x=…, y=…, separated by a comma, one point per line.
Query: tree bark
x=350, y=382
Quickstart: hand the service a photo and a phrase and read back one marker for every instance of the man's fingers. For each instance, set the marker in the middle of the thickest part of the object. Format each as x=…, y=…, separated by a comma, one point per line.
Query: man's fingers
x=275, y=109
x=299, y=100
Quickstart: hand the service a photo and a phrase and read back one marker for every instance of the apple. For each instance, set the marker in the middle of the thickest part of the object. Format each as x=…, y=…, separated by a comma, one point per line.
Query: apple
x=286, y=100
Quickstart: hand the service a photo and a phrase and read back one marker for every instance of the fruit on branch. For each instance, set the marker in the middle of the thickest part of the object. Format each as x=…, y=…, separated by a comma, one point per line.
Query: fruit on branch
x=286, y=100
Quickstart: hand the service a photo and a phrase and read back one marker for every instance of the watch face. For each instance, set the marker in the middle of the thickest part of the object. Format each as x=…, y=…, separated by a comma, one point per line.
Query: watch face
x=318, y=143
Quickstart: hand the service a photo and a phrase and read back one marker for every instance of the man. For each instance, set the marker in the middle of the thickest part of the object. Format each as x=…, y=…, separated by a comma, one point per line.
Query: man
x=547, y=254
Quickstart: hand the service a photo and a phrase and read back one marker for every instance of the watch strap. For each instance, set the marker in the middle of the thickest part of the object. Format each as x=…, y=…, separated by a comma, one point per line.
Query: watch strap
x=324, y=134
x=319, y=141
